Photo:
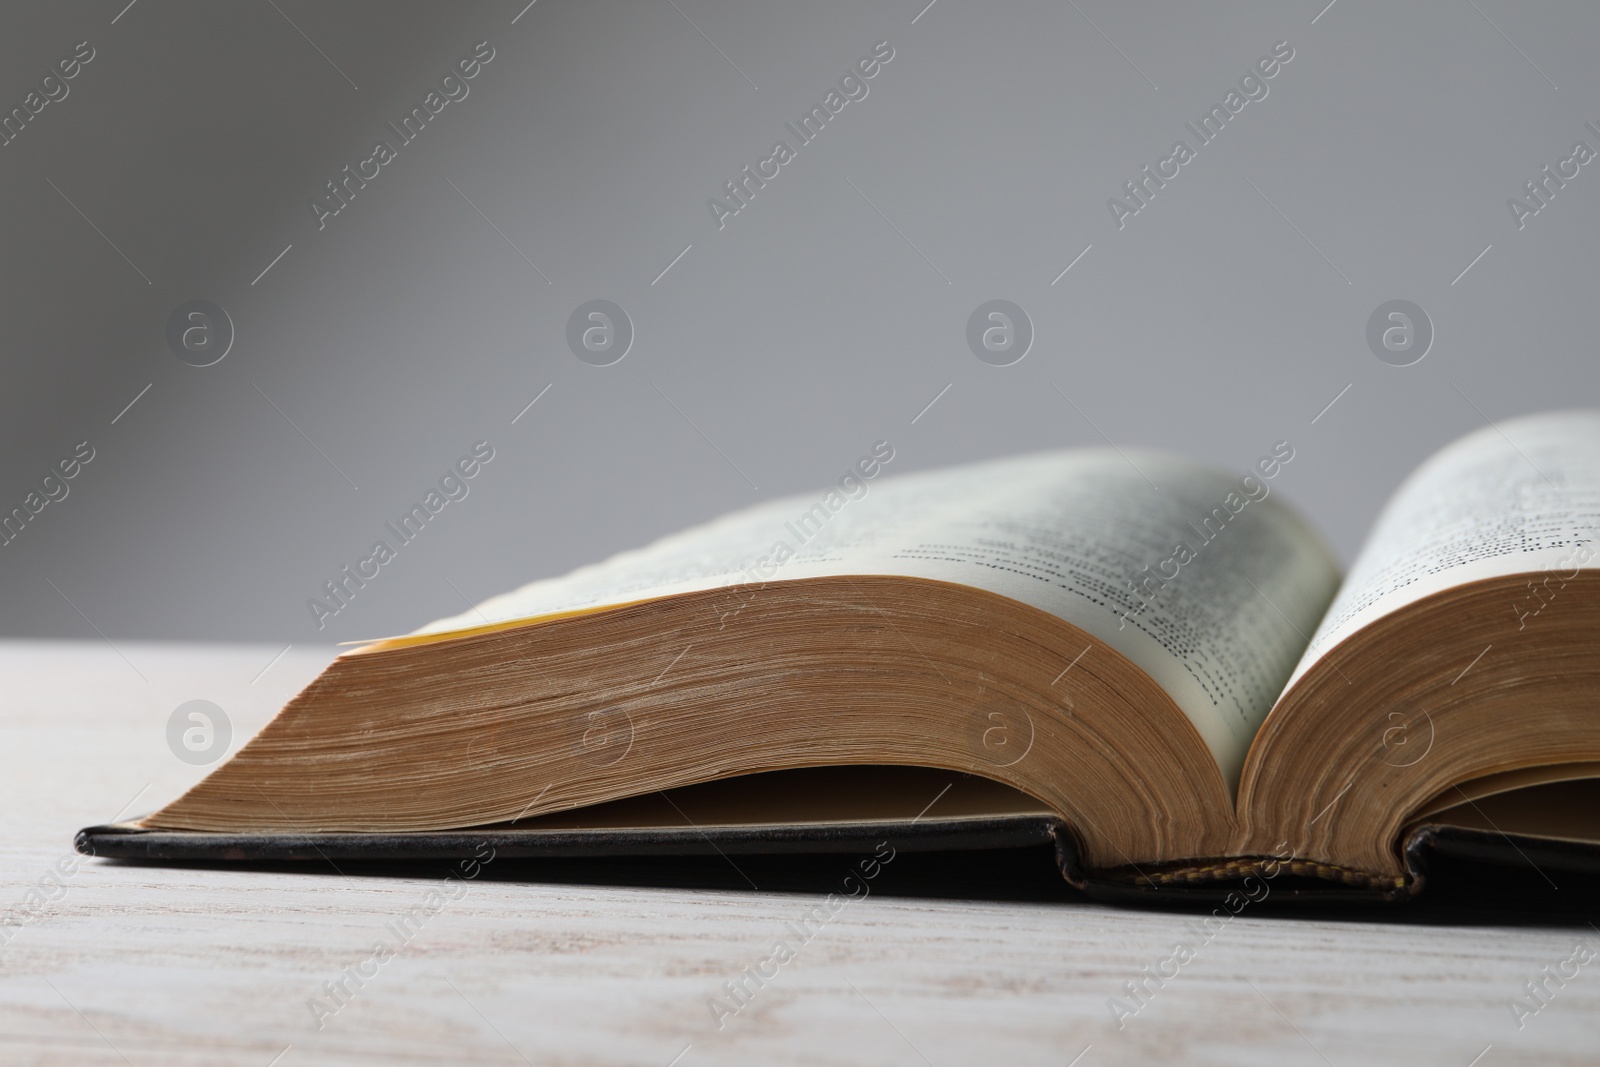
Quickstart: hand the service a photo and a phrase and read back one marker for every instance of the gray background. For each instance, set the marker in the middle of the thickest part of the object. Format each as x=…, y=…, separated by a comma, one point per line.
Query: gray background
x=823, y=317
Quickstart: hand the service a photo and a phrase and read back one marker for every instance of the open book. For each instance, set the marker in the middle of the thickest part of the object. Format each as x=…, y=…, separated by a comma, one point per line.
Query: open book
x=1149, y=662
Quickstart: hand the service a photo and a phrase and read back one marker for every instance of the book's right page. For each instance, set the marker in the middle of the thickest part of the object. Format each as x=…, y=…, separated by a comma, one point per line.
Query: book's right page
x=1459, y=648
x=1520, y=496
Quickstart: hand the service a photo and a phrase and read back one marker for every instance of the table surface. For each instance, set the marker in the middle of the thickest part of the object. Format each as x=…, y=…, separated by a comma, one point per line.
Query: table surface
x=108, y=963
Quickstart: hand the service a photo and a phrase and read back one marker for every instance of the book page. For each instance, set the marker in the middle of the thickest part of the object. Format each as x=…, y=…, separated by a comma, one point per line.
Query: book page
x=1209, y=584
x=1523, y=496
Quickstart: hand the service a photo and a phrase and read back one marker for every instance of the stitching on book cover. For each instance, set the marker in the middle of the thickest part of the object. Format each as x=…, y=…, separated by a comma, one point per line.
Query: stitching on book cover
x=1244, y=867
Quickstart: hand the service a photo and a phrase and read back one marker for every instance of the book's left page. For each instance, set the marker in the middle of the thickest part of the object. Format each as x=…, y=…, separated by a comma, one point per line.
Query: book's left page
x=1206, y=581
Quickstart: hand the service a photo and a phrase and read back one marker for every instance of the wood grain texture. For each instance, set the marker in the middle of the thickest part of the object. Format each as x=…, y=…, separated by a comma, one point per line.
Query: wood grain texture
x=145, y=965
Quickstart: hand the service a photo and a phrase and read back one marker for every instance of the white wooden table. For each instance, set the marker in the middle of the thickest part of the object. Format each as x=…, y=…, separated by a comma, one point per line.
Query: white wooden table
x=142, y=965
